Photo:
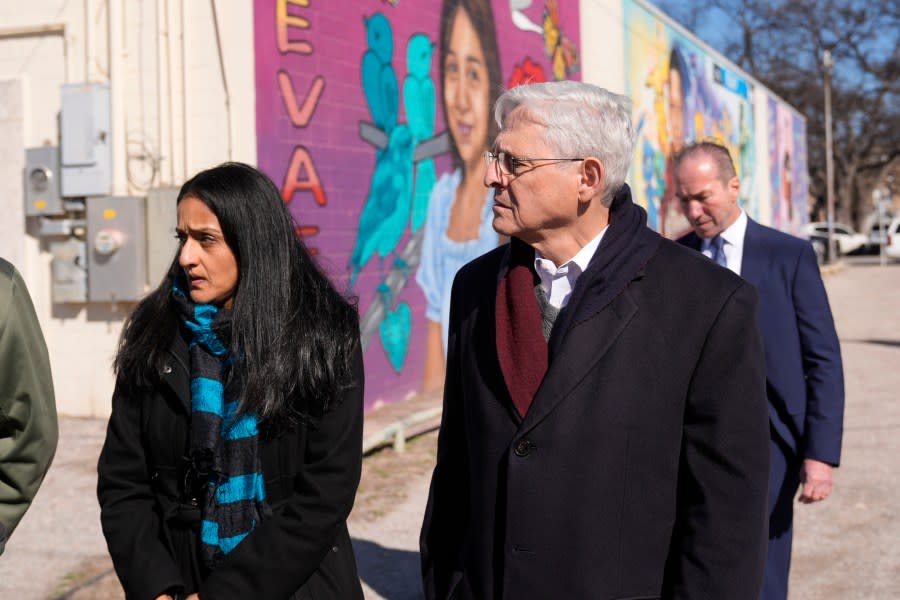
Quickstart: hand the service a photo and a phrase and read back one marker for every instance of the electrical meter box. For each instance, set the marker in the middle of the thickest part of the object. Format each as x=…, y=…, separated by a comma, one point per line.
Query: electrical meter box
x=85, y=140
x=69, y=269
x=116, y=244
x=162, y=217
x=42, y=194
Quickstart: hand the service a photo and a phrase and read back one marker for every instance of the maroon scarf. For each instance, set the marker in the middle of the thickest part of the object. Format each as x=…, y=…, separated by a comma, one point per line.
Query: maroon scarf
x=524, y=355
x=521, y=346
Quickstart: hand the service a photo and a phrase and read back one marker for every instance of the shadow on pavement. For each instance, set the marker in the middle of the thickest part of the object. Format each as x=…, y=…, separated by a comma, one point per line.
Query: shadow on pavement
x=391, y=573
x=877, y=342
x=895, y=343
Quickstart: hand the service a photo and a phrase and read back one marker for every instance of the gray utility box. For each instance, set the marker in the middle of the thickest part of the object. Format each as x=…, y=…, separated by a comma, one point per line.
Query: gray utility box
x=42, y=194
x=86, y=154
x=69, y=268
x=162, y=217
x=116, y=241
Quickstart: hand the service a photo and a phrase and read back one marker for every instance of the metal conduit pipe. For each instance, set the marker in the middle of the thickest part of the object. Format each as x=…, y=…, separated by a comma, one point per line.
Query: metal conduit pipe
x=185, y=101
x=33, y=31
x=10, y=33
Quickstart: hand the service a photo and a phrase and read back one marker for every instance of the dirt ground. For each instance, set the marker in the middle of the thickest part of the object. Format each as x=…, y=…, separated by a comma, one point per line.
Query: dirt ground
x=386, y=476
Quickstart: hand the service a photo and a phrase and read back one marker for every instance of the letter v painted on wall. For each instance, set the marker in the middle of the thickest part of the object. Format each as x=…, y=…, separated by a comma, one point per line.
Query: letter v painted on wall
x=301, y=175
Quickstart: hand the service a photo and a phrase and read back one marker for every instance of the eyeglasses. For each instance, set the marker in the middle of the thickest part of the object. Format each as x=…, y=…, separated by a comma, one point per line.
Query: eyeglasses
x=509, y=164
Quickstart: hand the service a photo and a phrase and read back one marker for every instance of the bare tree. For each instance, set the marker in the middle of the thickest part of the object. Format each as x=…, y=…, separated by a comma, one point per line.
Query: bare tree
x=781, y=42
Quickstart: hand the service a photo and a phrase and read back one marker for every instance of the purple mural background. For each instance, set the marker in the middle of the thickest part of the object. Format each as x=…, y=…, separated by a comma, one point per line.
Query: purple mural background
x=788, y=178
x=310, y=103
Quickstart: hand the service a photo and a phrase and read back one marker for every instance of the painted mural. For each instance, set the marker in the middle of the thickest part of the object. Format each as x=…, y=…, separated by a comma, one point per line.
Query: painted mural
x=787, y=168
x=681, y=94
x=372, y=116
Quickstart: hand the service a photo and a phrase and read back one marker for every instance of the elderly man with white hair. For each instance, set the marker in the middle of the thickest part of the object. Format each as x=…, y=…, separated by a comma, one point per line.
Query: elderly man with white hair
x=605, y=428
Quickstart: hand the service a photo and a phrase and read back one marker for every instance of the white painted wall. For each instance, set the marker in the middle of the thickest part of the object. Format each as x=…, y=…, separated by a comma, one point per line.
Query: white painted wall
x=603, y=44
x=170, y=120
x=12, y=161
x=761, y=125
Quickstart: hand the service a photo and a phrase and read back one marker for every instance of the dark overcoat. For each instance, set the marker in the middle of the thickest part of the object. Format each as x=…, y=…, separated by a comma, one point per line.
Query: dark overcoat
x=640, y=469
x=311, y=474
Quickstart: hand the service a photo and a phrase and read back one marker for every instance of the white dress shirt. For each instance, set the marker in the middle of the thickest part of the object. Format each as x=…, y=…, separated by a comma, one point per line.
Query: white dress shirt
x=558, y=282
x=733, y=245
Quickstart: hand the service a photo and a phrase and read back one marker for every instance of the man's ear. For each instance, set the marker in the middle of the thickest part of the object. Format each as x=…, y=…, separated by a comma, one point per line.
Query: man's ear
x=593, y=176
x=734, y=186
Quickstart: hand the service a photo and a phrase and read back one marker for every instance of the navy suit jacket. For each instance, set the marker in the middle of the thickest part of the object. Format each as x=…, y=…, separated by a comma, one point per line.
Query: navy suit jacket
x=804, y=374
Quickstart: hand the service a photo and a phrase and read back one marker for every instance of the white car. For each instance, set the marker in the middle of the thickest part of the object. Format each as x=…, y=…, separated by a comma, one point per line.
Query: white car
x=892, y=244
x=845, y=238
x=876, y=233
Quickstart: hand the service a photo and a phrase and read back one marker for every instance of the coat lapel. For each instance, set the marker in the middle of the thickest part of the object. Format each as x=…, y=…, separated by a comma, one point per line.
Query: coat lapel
x=753, y=259
x=583, y=346
x=175, y=373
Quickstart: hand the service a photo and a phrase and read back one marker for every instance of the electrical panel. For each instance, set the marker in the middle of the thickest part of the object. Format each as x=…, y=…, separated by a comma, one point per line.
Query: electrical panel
x=69, y=270
x=86, y=144
x=162, y=217
x=117, y=257
x=42, y=193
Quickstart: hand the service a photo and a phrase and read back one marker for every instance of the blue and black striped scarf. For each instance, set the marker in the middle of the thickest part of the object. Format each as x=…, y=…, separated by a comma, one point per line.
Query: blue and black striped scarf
x=224, y=446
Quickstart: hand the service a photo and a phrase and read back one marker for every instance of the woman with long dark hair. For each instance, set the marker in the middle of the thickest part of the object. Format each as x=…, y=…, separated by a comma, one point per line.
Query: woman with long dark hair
x=233, y=451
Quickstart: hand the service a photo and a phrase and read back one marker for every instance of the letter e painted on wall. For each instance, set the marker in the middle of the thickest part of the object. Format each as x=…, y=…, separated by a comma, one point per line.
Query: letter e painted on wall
x=284, y=20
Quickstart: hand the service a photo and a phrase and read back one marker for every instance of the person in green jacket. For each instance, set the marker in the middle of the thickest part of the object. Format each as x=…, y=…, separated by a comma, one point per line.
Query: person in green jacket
x=28, y=427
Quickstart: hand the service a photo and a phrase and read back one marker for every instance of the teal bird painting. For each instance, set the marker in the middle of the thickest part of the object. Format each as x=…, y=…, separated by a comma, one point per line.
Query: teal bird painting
x=419, y=104
x=379, y=81
x=385, y=213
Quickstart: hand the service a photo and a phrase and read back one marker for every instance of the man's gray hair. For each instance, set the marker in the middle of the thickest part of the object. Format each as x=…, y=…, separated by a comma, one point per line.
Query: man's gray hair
x=581, y=120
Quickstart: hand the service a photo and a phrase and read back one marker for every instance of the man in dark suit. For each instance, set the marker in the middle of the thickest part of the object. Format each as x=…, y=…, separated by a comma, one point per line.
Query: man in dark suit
x=804, y=377
x=604, y=431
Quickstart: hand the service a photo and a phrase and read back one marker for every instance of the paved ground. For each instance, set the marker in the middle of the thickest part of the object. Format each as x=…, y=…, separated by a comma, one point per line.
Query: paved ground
x=845, y=547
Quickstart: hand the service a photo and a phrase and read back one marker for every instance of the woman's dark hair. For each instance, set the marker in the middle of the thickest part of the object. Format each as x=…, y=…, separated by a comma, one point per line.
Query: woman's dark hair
x=294, y=333
x=482, y=17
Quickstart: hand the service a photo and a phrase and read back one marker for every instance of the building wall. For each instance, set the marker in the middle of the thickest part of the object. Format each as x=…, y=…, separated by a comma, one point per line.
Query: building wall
x=787, y=167
x=169, y=120
x=603, y=40
x=348, y=93
x=12, y=161
x=283, y=86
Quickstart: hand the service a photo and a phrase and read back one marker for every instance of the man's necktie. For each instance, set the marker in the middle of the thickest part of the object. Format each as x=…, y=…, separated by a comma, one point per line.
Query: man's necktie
x=718, y=252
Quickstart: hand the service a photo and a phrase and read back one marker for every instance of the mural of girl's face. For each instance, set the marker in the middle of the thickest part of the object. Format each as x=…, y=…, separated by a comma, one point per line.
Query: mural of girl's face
x=466, y=91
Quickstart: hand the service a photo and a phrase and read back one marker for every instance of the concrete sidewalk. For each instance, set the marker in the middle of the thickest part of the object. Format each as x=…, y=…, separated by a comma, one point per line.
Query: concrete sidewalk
x=844, y=547
x=60, y=534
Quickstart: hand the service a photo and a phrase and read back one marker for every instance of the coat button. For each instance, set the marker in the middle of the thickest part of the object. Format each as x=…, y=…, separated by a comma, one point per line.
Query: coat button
x=523, y=447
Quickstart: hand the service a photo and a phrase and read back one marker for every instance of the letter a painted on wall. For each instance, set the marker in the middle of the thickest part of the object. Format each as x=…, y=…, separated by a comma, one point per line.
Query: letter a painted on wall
x=301, y=163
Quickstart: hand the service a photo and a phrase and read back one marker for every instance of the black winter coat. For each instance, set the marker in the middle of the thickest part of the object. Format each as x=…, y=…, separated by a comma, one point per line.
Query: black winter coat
x=152, y=527
x=640, y=470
